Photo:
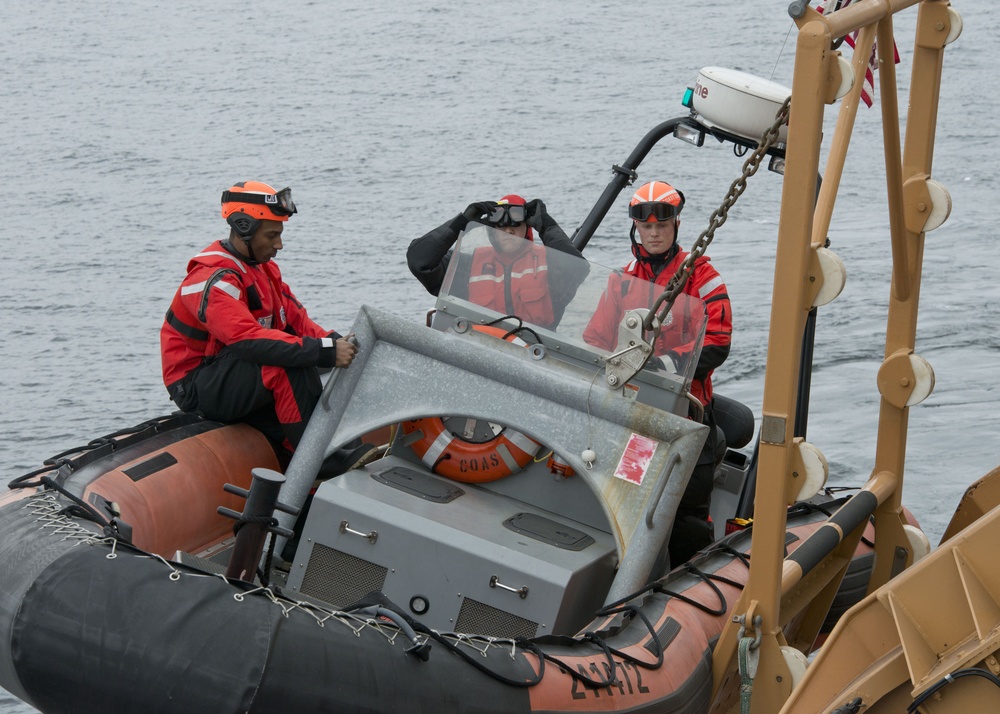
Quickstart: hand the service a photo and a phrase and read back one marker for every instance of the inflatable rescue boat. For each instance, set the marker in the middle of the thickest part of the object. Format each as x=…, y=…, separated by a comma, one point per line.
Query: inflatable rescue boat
x=508, y=556
x=506, y=551
x=115, y=597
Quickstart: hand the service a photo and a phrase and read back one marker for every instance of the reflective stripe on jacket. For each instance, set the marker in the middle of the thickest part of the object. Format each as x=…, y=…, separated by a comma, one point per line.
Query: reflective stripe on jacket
x=517, y=286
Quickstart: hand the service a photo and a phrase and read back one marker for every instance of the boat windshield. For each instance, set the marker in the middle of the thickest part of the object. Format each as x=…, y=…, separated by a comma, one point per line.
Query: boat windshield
x=567, y=303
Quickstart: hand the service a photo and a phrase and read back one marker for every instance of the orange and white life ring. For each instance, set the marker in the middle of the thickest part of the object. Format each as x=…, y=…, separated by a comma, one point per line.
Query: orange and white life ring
x=446, y=454
x=469, y=461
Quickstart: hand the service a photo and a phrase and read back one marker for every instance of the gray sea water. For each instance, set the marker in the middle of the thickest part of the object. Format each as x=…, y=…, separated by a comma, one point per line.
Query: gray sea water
x=121, y=123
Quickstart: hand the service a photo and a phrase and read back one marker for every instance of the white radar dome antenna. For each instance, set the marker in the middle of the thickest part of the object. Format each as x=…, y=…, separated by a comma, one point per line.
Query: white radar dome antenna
x=738, y=103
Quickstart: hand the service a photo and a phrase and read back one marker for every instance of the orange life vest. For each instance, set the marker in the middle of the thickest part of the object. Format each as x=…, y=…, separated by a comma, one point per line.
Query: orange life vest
x=515, y=285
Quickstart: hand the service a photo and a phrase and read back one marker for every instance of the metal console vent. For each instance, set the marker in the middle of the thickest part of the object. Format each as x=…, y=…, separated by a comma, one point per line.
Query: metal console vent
x=338, y=578
x=479, y=618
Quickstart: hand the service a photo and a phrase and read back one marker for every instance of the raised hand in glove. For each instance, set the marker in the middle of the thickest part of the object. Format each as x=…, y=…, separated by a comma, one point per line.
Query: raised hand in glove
x=538, y=217
x=548, y=230
x=477, y=210
x=473, y=212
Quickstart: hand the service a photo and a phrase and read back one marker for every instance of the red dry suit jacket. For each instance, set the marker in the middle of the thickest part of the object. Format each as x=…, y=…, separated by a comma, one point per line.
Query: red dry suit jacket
x=226, y=302
x=705, y=282
x=513, y=283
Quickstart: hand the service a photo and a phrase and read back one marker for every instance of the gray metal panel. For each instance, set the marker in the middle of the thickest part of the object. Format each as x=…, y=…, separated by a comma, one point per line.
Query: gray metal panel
x=399, y=372
x=667, y=389
x=448, y=552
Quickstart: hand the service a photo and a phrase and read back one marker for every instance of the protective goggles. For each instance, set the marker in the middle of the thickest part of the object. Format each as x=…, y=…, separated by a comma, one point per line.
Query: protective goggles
x=506, y=214
x=279, y=203
x=658, y=209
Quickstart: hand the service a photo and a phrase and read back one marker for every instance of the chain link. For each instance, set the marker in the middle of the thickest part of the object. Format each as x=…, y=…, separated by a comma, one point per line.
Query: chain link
x=657, y=314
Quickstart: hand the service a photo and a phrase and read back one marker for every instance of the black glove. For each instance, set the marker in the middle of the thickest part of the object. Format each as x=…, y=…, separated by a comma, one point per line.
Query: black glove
x=538, y=217
x=473, y=212
x=477, y=210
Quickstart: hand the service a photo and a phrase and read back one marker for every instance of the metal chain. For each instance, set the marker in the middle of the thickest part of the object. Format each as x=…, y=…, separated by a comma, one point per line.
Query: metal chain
x=655, y=319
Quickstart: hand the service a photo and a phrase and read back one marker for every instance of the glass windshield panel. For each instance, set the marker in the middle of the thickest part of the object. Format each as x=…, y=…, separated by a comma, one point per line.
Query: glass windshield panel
x=565, y=299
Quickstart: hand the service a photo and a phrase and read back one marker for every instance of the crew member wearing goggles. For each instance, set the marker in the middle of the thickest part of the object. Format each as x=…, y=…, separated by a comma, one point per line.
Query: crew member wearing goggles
x=655, y=212
x=511, y=276
x=505, y=215
x=236, y=346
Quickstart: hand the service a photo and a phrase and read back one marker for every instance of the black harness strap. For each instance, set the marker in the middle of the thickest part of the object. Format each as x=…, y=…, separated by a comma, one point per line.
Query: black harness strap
x=216, y=277
x=253, y=298
x=192, y=333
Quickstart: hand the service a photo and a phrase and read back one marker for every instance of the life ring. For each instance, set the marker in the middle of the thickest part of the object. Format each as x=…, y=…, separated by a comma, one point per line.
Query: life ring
x=446, y=454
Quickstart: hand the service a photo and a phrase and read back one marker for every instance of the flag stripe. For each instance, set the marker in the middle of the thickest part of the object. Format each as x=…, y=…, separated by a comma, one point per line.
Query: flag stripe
x=868, y=86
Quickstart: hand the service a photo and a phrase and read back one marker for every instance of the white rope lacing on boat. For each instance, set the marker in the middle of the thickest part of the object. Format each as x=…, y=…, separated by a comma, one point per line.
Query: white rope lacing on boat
x=47, y=510
x=481, y=643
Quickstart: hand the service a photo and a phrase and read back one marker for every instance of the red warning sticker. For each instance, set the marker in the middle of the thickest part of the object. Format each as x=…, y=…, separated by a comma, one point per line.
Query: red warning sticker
x=634, y=463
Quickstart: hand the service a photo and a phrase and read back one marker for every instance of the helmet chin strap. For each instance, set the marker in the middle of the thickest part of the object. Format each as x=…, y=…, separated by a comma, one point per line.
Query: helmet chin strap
x=249, y=258
x=253, y=259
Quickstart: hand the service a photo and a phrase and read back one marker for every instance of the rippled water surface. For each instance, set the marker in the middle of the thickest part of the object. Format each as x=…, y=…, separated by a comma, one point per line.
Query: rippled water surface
x=123, y=122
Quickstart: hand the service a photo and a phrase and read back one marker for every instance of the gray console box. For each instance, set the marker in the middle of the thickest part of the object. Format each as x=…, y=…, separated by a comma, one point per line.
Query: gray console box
x=455, y=556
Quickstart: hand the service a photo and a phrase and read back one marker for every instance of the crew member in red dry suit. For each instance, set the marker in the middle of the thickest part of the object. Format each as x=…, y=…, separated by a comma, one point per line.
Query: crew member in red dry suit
x=236, y=345
x=655, y=209
x=511, y=276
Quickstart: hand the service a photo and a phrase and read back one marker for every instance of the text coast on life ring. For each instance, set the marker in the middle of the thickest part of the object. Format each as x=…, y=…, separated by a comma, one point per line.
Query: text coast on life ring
x=472, y=462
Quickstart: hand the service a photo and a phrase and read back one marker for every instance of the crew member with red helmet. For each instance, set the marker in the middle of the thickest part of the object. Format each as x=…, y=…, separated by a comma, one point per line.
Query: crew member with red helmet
x=236, y=346
x=511, y=275
x=655, y=212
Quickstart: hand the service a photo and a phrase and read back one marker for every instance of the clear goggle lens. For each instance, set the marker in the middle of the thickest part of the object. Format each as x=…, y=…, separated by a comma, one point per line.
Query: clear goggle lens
x=281, y=203
x=506, y=215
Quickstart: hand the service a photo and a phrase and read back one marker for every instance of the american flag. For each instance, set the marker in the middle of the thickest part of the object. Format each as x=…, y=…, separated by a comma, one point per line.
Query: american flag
x=868, y=88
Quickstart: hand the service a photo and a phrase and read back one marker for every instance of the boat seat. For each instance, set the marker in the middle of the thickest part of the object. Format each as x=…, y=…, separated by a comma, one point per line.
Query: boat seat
x=735, y=419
